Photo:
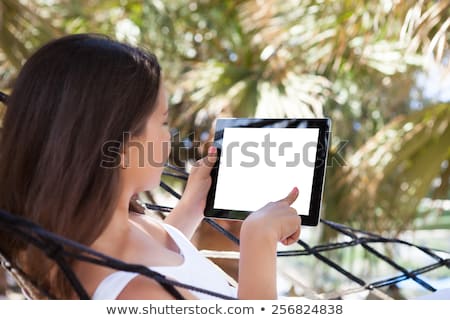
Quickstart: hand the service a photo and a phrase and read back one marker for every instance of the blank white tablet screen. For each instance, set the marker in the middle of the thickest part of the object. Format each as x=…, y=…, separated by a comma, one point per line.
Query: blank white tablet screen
x=259, y=165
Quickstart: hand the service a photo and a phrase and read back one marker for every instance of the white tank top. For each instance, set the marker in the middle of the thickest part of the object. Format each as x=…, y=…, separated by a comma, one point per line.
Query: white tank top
x=195, y=270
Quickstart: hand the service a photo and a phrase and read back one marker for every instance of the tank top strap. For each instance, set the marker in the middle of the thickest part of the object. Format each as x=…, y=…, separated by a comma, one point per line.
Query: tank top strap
x=112, y=285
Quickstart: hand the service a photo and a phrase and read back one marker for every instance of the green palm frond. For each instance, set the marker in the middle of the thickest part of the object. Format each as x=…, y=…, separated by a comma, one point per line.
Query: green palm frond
x=272, y=40
x=382, y=183
x=426, y=28
x=22, y=29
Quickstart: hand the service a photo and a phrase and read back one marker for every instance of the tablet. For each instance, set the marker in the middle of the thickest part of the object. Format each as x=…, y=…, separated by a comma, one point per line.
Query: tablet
x=262, y=160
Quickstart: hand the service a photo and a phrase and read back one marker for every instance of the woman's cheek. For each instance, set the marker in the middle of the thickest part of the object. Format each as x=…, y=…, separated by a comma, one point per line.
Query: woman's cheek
x=170, y=148
x=167, y=147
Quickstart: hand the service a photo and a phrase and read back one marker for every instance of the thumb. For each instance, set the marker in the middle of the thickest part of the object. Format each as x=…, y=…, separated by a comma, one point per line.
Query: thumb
x=212, y=156
x=208, y=161
x=292, y=196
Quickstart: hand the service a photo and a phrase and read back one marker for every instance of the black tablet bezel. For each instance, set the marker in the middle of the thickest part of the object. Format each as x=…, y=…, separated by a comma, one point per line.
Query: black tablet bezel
x=324, y=126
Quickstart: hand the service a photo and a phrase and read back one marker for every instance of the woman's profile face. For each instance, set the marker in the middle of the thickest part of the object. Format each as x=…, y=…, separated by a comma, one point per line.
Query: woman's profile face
x=146, y=154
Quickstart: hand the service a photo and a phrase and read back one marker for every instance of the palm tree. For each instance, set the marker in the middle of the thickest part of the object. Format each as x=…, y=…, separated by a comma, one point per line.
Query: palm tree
x=389, y=175
x=353, y=61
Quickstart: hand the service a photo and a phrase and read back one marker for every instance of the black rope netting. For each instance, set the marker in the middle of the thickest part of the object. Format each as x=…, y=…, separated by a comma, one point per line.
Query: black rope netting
x=59, y=249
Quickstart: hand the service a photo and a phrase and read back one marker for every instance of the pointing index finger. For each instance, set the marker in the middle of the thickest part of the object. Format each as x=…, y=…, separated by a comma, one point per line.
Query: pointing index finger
x=292, y=196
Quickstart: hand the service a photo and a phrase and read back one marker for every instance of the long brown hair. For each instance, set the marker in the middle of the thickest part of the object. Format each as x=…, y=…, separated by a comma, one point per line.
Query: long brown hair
x=71, y=97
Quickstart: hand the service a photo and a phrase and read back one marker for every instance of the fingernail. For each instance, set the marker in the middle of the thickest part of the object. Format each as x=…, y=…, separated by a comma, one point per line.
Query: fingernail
x=212, y=149
x=295, y=190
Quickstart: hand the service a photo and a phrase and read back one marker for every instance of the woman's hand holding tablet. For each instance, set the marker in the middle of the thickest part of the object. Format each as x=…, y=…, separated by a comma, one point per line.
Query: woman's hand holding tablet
x=261, y=160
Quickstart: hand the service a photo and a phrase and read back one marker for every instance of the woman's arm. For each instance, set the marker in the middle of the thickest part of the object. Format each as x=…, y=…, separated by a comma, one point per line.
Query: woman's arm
x=257, y=267
x=186, y=218
x=260, y=233
x=188, y=213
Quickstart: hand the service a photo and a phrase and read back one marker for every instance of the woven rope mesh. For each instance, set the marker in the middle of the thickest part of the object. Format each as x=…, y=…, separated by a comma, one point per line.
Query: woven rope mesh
x=353, y=282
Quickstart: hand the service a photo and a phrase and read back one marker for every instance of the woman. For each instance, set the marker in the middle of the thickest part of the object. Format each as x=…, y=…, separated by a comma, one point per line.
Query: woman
x=75, y=99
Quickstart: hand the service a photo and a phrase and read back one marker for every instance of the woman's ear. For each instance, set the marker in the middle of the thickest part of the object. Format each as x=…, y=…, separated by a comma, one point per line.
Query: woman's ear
x=132, y=151
x=122, y=155
x=122, y=161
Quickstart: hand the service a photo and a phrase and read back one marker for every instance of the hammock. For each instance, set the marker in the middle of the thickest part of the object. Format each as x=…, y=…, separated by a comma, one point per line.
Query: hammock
x=59, y=249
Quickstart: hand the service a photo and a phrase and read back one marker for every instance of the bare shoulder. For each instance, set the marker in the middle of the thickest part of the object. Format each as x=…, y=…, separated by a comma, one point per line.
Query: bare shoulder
x=143, y=288
x=146, y=222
